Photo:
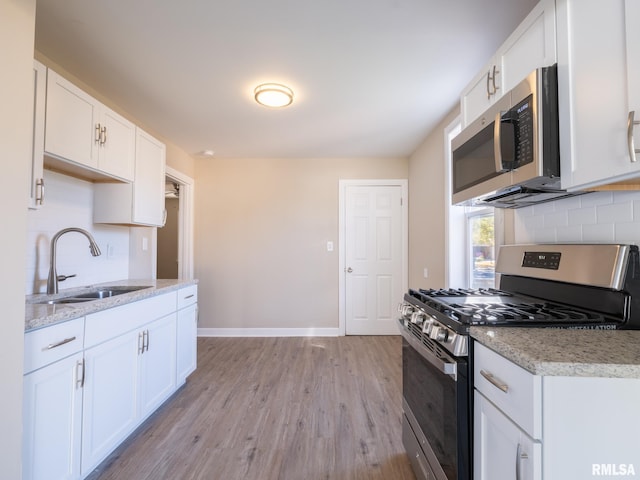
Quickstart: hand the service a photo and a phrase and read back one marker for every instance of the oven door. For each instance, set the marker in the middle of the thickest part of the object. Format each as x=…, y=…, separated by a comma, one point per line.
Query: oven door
x=437, y=408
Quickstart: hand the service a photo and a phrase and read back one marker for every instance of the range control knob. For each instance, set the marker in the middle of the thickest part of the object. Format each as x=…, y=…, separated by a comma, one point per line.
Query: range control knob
x=427, y=325
x=442, y=335
x=439, y=333
x=406, y=309
x=417, y=318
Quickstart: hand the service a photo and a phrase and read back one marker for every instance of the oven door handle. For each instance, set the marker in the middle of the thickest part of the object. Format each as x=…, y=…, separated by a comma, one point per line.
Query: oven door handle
x=447, y=367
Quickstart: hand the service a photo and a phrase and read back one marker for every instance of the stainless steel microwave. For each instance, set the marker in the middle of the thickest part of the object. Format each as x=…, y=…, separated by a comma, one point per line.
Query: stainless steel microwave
x=509, y=157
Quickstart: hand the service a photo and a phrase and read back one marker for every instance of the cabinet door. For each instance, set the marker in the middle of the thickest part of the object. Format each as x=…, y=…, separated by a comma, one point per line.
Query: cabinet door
x=157, y=364
x=52, y=421
x=593, y=91
x=481, y=93
x=110, y=397
x=632, y=18
x=117, y=145
x=148, y=188
x=532, y=45
x=500, y=449
x=187, y=333
x=71, y=121
x=36, y=179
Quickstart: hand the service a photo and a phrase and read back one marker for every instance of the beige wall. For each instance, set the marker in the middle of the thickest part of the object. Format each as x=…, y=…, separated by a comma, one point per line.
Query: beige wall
x=427, y=209
x=17, y=26
x=261, y=227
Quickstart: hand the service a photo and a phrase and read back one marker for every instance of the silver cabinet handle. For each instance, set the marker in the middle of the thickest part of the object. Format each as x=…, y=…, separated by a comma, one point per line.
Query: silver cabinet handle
x=494, y=381
x=488, y=83
x=140, y=343
x=630, y=144
x=519, y=456
x=80, y=375
x=59, y=344
x=189, y=296
x=145, y=341
x=103, y=135
x=98, y=133
x=40, y=191
x=493, y=79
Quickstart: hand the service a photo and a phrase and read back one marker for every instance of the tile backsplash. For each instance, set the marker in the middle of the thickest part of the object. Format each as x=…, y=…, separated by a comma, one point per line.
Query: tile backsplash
x=69, y=203
x=598, y=217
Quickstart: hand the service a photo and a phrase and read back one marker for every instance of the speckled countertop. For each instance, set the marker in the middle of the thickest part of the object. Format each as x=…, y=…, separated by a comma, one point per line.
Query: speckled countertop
x=576, y=353
x=38, y=315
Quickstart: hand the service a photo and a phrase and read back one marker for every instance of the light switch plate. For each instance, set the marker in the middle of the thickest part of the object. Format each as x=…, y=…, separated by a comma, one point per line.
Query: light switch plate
x=329, y=246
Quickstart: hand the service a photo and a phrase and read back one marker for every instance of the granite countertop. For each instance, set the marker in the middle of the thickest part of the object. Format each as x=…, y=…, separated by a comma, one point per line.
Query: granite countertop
x=576, y=353
x=38, y=315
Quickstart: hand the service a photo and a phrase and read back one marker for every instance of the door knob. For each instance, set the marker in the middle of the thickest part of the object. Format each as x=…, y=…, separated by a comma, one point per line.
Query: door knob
x=348, y=270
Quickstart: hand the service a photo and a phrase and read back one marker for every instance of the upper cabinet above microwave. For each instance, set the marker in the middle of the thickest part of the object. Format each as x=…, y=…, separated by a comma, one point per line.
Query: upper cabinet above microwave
x=530, y=46
x=599, y=93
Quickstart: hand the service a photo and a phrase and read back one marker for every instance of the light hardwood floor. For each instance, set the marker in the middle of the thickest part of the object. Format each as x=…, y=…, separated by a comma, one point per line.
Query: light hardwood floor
x=277, y=409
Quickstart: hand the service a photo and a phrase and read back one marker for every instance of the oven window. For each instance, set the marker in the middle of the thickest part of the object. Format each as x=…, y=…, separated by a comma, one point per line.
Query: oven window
x=440, y=405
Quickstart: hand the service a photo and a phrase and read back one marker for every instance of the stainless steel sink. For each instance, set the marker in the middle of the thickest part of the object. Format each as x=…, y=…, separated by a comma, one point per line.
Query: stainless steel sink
x=94, y=295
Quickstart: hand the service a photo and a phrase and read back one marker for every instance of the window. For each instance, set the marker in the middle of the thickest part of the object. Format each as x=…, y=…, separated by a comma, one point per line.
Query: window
x=481, y=248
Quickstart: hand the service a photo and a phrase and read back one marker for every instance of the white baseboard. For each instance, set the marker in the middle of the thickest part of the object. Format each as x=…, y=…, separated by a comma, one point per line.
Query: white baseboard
x=269, y=332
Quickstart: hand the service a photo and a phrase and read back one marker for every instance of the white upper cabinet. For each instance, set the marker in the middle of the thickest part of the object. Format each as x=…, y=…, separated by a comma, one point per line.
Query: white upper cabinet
x=82, y=132
x=598, y=88
x=530, y=46
x=142, y=201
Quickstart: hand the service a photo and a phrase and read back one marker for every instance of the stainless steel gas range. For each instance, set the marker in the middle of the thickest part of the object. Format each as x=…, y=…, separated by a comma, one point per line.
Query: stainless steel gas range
x=549, y=286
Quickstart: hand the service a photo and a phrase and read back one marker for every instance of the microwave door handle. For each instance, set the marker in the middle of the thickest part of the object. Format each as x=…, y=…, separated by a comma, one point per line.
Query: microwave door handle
x=497, y=149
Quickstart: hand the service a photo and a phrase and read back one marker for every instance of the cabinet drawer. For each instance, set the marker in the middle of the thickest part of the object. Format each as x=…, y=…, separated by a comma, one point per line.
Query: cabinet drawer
x=187, y=296
x=108, y=324
x=49, y=344
x=511, y=388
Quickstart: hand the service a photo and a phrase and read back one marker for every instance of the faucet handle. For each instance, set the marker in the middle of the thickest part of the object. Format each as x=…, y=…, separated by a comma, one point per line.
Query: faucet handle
x=62, y=278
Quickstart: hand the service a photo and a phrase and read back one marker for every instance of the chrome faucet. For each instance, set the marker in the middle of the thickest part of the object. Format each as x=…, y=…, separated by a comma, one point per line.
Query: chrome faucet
x=52, y=281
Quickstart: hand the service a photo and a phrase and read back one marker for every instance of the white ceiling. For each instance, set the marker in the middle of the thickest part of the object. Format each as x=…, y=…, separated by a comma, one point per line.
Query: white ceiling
x=371, y=77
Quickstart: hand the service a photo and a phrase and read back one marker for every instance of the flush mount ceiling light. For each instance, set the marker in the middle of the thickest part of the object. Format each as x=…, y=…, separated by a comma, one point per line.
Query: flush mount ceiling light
x=273, y=95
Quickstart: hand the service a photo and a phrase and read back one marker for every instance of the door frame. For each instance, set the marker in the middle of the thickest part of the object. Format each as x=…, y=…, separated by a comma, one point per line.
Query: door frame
x=342, y=251
x=185, y=222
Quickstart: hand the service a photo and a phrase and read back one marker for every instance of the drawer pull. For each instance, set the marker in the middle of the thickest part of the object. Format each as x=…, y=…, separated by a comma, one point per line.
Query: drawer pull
x=58, y=344
x=189, y=296
x=494, y=381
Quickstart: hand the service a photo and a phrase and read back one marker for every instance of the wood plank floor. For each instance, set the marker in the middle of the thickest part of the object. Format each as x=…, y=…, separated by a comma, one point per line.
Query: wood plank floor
x=277, y=409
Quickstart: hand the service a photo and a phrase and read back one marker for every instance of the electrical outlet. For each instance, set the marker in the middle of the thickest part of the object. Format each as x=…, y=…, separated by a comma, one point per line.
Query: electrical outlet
x=329, y=246
x=426, y=273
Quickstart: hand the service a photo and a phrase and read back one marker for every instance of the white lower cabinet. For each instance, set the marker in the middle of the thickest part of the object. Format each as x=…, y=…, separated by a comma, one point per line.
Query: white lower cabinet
x=532, y=427
x=127, y=378
x=90, y=382
x=52, y=421
x=187, y=333
x=503, y=450
x=110, y=401
x=52, y=397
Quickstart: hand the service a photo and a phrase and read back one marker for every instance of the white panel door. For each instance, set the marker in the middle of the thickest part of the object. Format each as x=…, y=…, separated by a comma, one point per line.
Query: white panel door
x=374, y=258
